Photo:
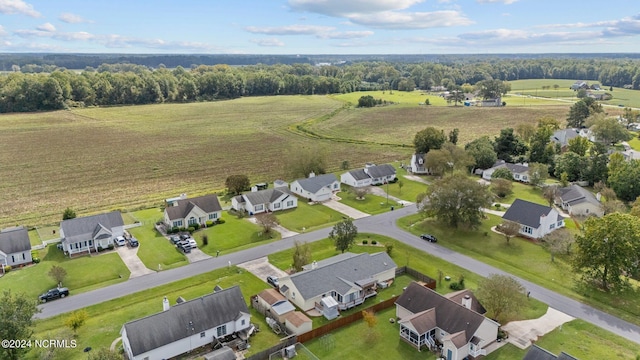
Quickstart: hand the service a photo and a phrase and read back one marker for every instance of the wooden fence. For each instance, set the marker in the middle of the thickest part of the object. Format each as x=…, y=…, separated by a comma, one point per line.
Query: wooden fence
x=428, y=282
x=264, y=354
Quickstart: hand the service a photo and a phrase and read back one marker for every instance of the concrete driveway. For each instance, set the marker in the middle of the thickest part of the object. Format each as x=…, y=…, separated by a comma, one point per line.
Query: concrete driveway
x=523, y=333
x=262, y=268
x=130, y=258
x=196, y=255
x=344, y=209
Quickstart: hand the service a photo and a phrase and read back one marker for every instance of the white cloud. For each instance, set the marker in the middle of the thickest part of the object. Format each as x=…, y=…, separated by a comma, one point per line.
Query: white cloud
x=267, y=42
x=347, y=35
x=341, y=8
x=3, y=32
x=72, y=18
x=17, y=7
x=416, y=20
x=290, y=30
x=47, y=27
x=507, y=2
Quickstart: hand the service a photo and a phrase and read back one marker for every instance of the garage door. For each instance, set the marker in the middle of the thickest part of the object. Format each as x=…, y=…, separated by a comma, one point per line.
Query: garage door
x=323, y=197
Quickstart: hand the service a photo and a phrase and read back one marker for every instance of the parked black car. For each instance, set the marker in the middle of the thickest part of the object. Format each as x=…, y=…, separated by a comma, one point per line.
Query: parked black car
x=54, y=294
x=133, y=242
x=428, y=237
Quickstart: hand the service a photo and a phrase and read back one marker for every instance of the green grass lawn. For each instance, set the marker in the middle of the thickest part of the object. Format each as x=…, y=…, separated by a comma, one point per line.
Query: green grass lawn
x=106, y=319
x=308, y=217
x=44, y=233
x=527, y=260
x=371, y=204
x=82, y=273
x=405, y=98
x=234, y=235
x=524, y=192
x=634, y=142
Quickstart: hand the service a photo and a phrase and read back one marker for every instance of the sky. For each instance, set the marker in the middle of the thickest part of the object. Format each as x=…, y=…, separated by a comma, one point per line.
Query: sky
x=320, y=26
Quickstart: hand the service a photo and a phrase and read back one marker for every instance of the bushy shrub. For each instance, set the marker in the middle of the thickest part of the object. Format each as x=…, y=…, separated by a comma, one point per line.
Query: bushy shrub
x=457, y=285
x=195, y=226
x=373, y=242
x=209, y=223
x=191, y=229
x=36, y=260
x=7, y=268
x=110, y=246
x=100, y=248
x=220, y=221
x=365, y=242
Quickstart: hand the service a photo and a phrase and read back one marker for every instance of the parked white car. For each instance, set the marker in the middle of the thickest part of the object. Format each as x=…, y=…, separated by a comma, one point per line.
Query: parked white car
x=120, y=241
x=193, y=243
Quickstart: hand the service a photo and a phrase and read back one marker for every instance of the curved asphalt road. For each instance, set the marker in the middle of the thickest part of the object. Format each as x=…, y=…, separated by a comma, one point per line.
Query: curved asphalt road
x=384, y=224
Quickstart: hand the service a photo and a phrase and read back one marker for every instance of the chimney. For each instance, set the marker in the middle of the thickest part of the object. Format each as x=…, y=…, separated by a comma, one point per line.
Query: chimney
x=466, y=301
x=165, y=304
x=254, y=189
x=314, y=265
x=183, y=196
x=312, y=174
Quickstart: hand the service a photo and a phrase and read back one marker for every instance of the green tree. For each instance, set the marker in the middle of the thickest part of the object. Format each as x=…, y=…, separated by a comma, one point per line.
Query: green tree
x=301, y=255
x=366, y=101
x=509, y=229
x=539, y=149
x=526, y=131
x=607, y=249
x=508, y=145
x=571, y=163
x=482, y=151
x=598, y=160
x=16, y=322
x=76, y=320
x=447, y=159
x=579, y=145
x=400, y=185
x=538, y=173
x=635, y=207
x=609, y=130
x=453, y=136
x=237, y=183
x=558, y=242
x=581, y=110
x=68, y=214
x=502, y=296
x=343, y=235
x=624, y=180
x=57, y=273
x=502, y=173
x=491, y=89
x=501, y=187
x=301, y=161
x=429, y=139
x=457, y=200
x=550, y=193
x=456, y=95
x=267, y=221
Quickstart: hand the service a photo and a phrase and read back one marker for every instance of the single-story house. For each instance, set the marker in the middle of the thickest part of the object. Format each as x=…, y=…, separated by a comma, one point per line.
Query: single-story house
x=187, y=212
x=631, y=154
x=520, y=171
x=467, y=299
x=280, y=309
x=186, y=326
x=577, y=200
x=370, y=175
x=426, y=317
x=535, y=220
x=90, y=233
x=537, y=353
x=348, y=278
x=417, y=164
x=316, y=188
x=257, y=202
x=579, y=85
x=15, y=247
x=495, y=102
x=563, y=136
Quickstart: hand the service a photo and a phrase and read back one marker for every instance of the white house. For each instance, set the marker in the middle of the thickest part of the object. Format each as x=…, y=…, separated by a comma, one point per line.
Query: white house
x=90, y=233
x=316, y=188
x=187, y=325
x=577, y=200
x=257, y=202
x=15, y=247
x=426, y=317
x=187, y=212
x=520, y=171
x=417, y=164
x=348, y=278
x=370, y=175
x=535, y=220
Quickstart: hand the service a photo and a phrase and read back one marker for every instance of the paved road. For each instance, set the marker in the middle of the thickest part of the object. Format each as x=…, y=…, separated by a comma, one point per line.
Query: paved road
x=382, y=224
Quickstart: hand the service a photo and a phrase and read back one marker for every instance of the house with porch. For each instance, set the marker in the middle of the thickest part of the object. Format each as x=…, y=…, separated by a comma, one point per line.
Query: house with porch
x=316, y=188
x=347, y=278
x=15, y=247
x=88, y=234
x=428, y=319
x=535, y=220
x=187, y=212
x=185, y=326
x=371, y=174
x=577, y=200
x=256, y=202
x=520, y=171
x=417, y=164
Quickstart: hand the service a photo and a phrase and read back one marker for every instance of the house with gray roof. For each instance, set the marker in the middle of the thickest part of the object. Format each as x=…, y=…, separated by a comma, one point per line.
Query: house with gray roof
x=520, y=171
x=417, y=164
x=256, y=202
x=562, y=137
x=427, y=318
x=371, y=174
x=88, y=234
x=349, y=281
x=537, y=353
x=15, y=247
x=316, y=188
x=535, y=220
x=577, y=200
x=188, y=212
x=186, y=326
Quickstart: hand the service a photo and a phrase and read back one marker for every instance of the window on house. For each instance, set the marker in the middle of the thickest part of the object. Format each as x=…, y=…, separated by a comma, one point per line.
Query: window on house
x=24, y=257
x=213, y=216
x=276, y=206
x=221, y=330
x=552, y=226
x=177, y=223
x=587, y=211
x=259, y=207
x=90, y=242
x=242, y=322
x=335, y=186
x=289, y=203
x=202, y=334
x=192, y=221
x=85, y=243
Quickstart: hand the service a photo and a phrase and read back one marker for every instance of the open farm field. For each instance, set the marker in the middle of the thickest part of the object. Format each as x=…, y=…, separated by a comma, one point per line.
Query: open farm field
x=398, y=125
x=129, y=157
x=405, y=98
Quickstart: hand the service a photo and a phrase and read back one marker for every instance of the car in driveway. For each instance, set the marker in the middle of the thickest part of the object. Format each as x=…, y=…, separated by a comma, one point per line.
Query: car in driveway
x=273, y=281
x=133, y=242
x=184, y=236
x=184, y=246
x=193, y=243
x=428, y=237
x=120, y=241
x=53, y=294
x=174, y=239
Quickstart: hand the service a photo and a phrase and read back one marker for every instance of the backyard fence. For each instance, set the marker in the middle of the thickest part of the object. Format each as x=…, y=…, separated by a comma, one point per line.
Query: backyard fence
x=428, y=282
x=264, y=354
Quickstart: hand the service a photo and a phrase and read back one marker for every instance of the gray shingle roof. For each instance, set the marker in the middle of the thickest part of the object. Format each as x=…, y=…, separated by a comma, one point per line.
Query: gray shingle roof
x=206, y=312
x=84, y=228
x=265, y=196
x=459, y=295
x=313, y=184
x=514, y=168
x=14, y=239
x=423, y=321
x=451, y=317
x=378, y=171
x=538, y=353
x=526, y=213
x=576, y=194
x=563, y=136
x=342, y=275
x=359, y=174
x=208, y=204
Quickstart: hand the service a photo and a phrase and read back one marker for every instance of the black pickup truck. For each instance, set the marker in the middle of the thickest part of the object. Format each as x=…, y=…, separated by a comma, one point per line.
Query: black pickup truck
x=54, y=294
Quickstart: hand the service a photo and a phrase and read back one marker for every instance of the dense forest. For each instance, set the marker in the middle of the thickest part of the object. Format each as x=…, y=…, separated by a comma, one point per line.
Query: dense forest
x=33, y=87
